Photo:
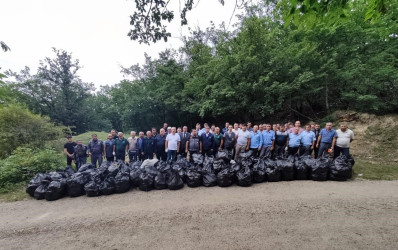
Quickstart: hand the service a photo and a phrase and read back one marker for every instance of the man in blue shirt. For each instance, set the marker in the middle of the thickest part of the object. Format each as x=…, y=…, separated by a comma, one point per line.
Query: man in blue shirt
x=326, y=140
x=307, y=141
x=225, y=129
x=294, y=141
x=256, y=141
x=207, y=139
x=281, y=137
x=268, y=137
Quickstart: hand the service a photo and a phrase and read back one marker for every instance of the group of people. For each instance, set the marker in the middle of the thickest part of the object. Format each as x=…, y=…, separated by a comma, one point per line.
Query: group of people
x=265, y=140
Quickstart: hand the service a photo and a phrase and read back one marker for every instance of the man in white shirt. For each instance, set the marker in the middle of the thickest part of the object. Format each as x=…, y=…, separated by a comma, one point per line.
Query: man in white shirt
x=172, y=145
x=344, y=137
x=242, y=141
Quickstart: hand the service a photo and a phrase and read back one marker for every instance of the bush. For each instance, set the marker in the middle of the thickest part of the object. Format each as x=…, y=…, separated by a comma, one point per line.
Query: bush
x=24, y=163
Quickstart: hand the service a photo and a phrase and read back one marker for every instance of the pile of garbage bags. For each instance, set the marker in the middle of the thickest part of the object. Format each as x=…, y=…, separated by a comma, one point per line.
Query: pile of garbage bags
x=118, y=177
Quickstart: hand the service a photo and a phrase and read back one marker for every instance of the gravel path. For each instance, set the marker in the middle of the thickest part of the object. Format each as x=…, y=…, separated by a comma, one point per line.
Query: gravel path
x=284, y=215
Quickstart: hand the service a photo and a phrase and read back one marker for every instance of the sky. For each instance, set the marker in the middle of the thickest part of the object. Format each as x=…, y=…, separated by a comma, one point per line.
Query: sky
x=94, y=31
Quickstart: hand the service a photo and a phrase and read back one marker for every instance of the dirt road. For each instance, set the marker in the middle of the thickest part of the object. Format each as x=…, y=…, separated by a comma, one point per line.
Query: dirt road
x=284, y=215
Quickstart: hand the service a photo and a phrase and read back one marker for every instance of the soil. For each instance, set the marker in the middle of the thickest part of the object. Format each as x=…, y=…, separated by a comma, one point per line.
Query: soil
x=285, y=215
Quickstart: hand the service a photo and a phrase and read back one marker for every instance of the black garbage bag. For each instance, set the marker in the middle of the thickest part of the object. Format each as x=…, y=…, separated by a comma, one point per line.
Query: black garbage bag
x=69, y=171
x=40, y=192
x=113, y=169
x=56, y=190
x=150, y=170
x=209, y=179
x=182, y=161
x=145, y=182
x=320, y=169
x=207, y=168
x=107, y=187
x=340, y=169
x=197, y=158
x=218, y=165
x=76, y=182
x=272, y=171
x=85, y=167
x=160, y=181
x=247, y=162
x=259, y=171
x=122, y=182
x=35, y=183
x=300, y=169
x=244, y=177
x=225, y=177
x=56, y=176
x=135, y=177
x=236, y=166
x=175, y=182
x=92, y=189
x=194, y=178
x=222, y=155
x=287, y=169
x=149, y=163
x=181, y=171
x=135, y=164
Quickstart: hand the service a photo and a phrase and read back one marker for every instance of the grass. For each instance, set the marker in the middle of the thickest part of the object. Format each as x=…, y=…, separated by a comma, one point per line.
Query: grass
x=375, y=170
x=17, y=193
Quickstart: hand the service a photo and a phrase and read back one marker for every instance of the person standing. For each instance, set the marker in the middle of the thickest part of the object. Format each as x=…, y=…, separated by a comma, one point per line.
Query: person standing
x=69, y=150
x=121, y=147
x=154, y=133
x=268, y=142
x=317, y=131
x=260, y=128
x=172, y=145
x=193, y=145
x=256, y=141
x=80, y=154
x=108, y=148
x=225, y=129
x=307, y=141
x=184, y=136
x=236, y=128
x=133, y=148
x=114, y=134
x=218, y=140
x=242, y=141
x=148, y=146
x=344, y=137
x=179, y=130
x=165, y=125
x=294, y=141
x=96, y=150
x=207, y=139
x=249, y=127
x=326, y=140
x=229, y=141
x=281, y=138
x=160, y=145
x=198, y=129
x=297, y=124
x=140, y=144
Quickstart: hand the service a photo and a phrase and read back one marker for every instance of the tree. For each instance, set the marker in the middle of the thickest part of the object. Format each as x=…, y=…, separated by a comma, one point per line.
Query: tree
x=4, y=46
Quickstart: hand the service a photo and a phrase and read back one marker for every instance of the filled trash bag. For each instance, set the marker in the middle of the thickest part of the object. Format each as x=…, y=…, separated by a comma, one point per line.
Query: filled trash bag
x=149, y=163
x=86, y=167
x=135, y=177
x=160, y=181
x=244, y=177
x=197, y=158
x=272, y=170
x=218, y=165
x=113, y=169
x=145, y=182
x=35, y=183
x=247, y=162
x=92, y=189
x=76, y=183
x=301, y=171
x=175, y=182
x=135, y=164
x=222, y=155
x=235, y=166
x=122, y=182
x=259, y=174
x=209, y=179
x=287, y=169
x=194, y=178
x=225, y=177
x=320, y=169
x=69, y=171
x=340, y=169
x=107, y=187
x=40, y=192
x=56, y=190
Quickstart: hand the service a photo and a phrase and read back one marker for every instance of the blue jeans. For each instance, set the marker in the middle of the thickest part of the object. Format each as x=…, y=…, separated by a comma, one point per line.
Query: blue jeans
x=339, y=150
x=80, y=162
x=305, y=150
x=96, y=158
x=171, y=155
x=133, y=155
x=322, y=148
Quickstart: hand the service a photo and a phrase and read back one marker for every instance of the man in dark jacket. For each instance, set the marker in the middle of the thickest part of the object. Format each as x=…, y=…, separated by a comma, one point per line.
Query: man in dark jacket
x=148, y=146
x=160, y=142
x=207, y=139
x=80, y=154
x=95, y=150
x=229, y=141
x=184, y=136
x=108, y=148
x=121, y=147
x=193, y=145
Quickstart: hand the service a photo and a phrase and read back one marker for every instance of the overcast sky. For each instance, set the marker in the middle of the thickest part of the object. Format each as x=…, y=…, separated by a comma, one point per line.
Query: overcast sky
x=95, y=31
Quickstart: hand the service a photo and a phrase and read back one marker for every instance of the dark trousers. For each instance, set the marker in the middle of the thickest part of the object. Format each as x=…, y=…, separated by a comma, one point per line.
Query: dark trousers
x=255, y=151
x=148, y=155
x=112, y=158
x=305, y=150
x=161, y=155
x=140, y=155
x=265, y=152
x=207, y=152
x=293, y=150
x=182, y=153
x=96, y=158
x=316, y=150
x=80, y=162
x=279, y=151
x=133, y=155
x=121, y=156
x=171, y=155
x=323, y=148
x=69, y=161
x=339, y=150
